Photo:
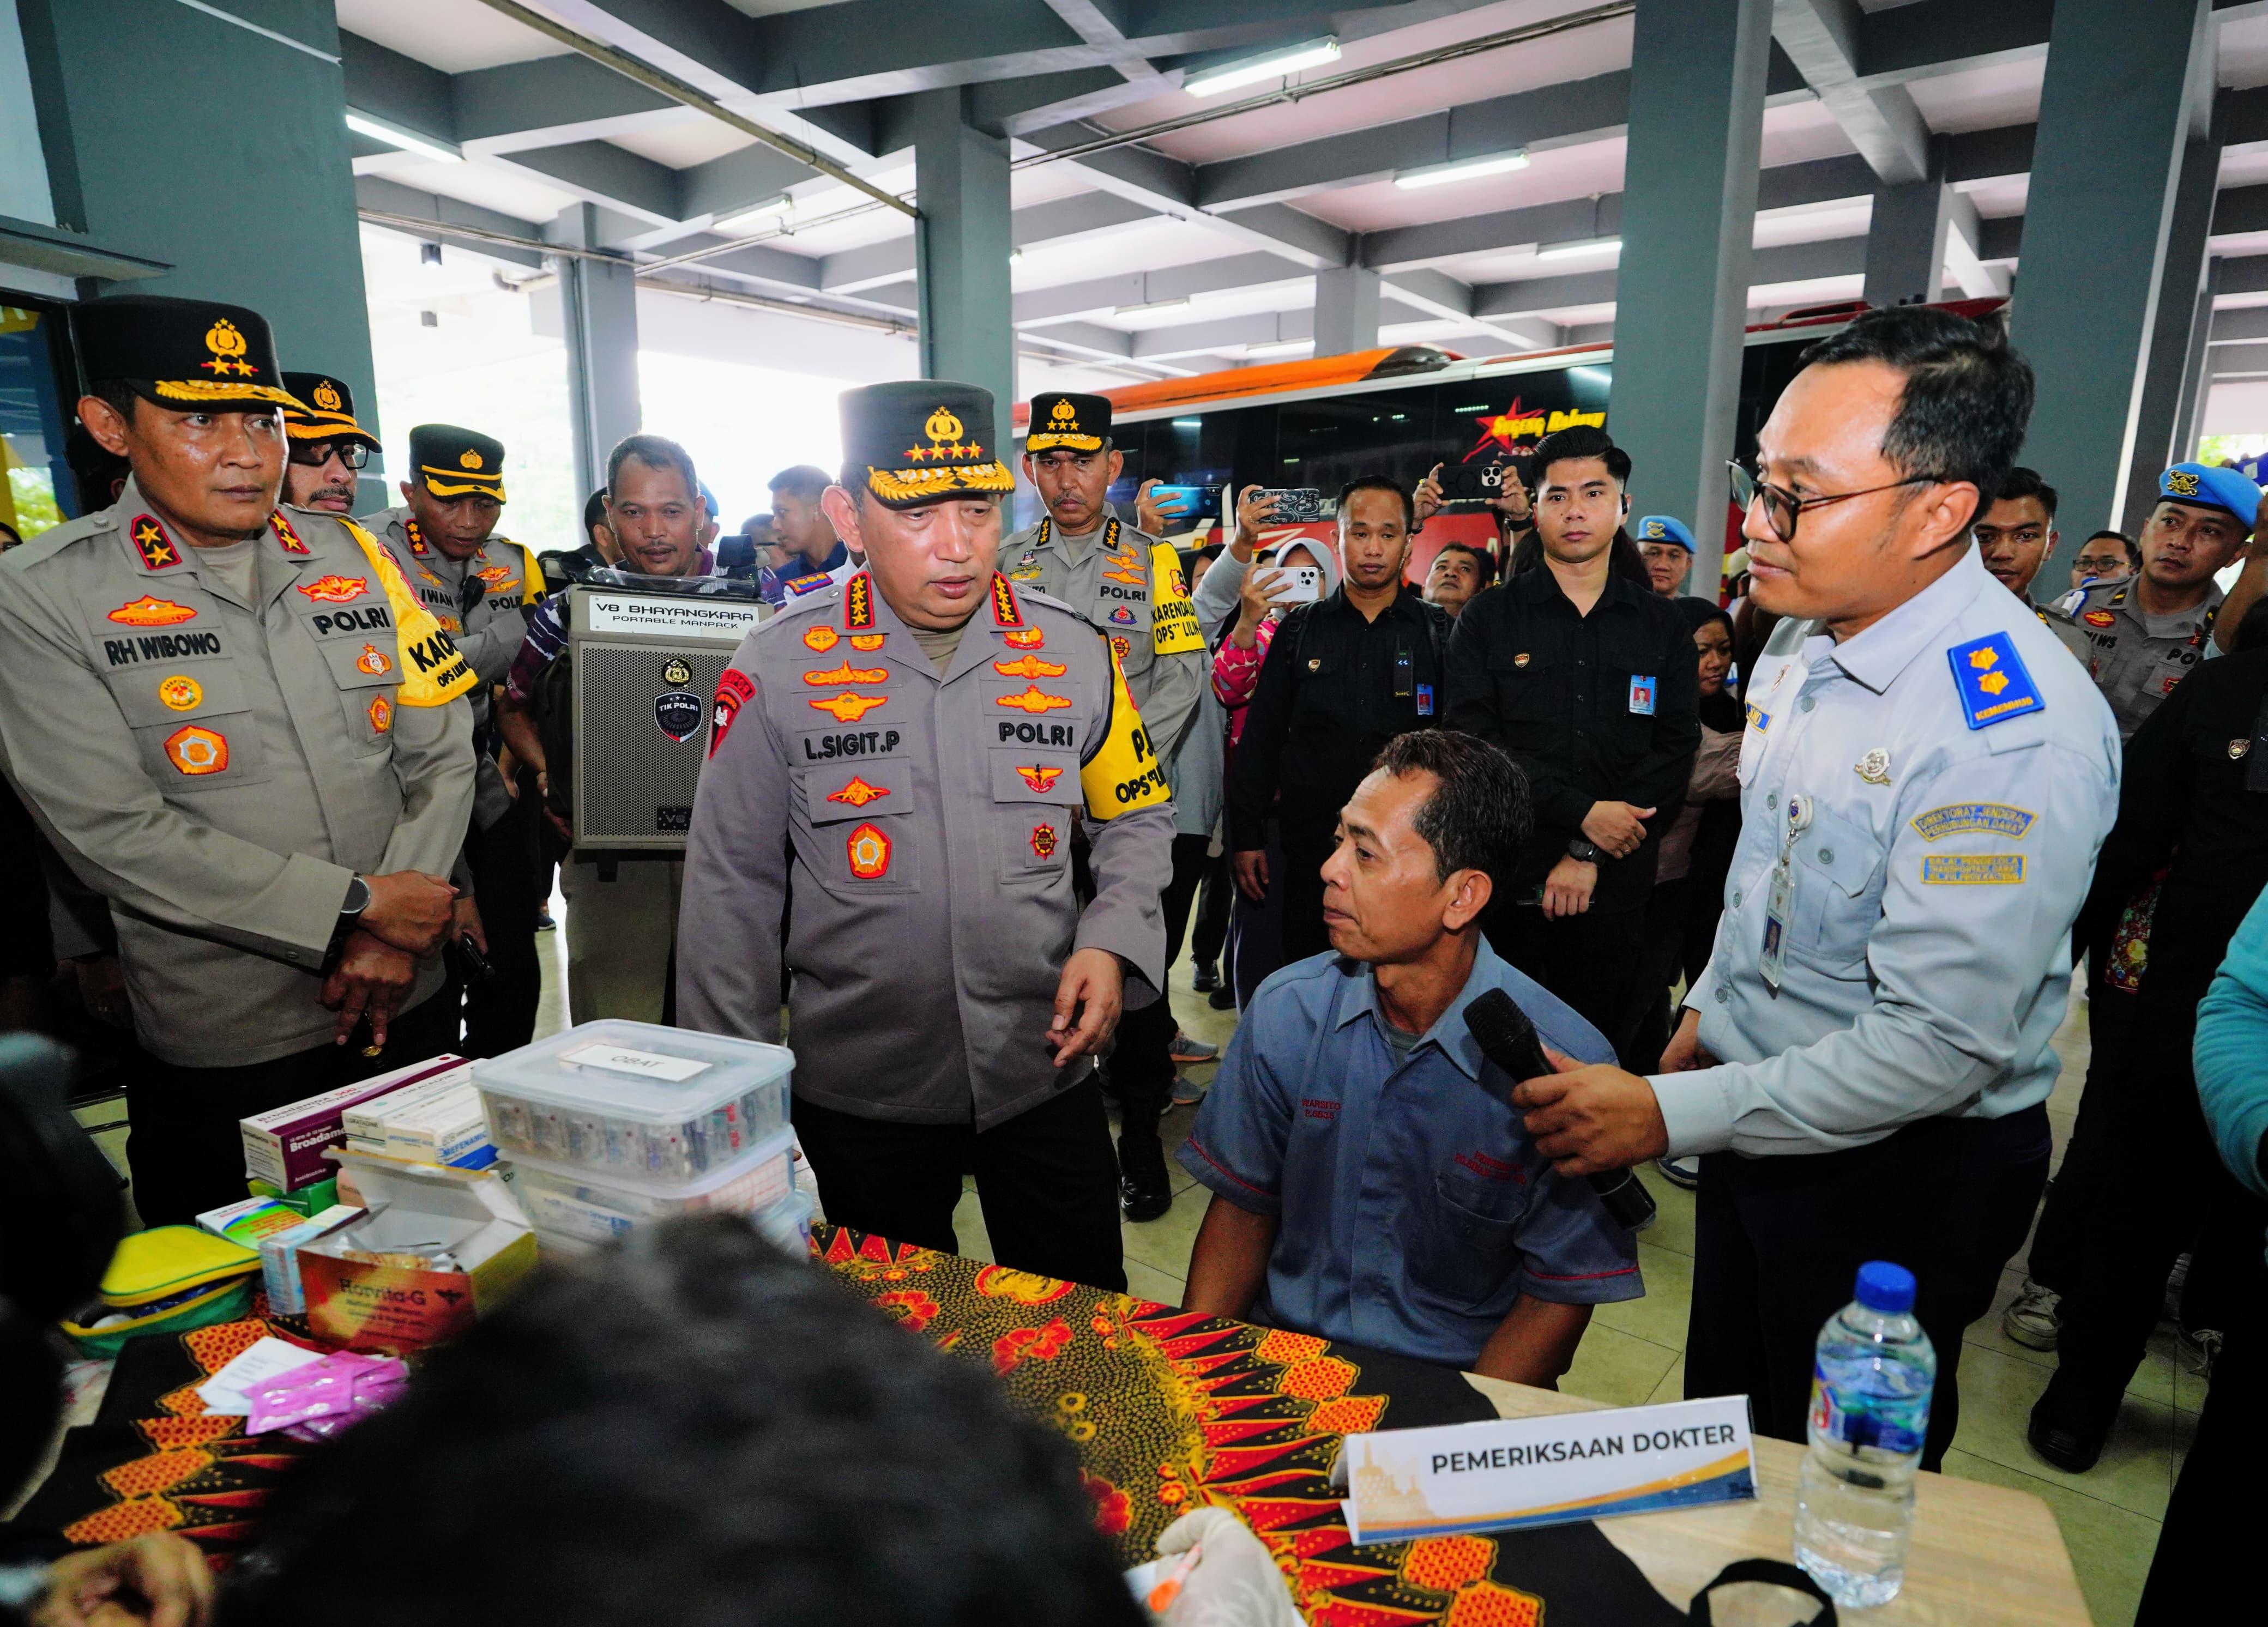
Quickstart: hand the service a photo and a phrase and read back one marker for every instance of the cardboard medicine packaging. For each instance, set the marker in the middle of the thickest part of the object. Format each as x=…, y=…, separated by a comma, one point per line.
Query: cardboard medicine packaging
x=423, y=1209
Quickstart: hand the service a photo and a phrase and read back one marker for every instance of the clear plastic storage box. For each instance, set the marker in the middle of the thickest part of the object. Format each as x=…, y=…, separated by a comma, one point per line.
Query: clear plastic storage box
x=636, y=1102
x=572, y=1201
x=786, y=1223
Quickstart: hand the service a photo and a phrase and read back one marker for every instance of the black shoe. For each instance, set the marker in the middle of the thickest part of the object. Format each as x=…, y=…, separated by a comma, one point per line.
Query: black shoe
x=1142, y=1190
x=1205, y=978
x=1222, y=999
x=2065, y=1441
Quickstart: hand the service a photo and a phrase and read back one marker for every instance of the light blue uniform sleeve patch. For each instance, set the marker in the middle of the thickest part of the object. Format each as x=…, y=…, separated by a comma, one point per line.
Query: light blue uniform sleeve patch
x=1998, y=818
x=1992, y=680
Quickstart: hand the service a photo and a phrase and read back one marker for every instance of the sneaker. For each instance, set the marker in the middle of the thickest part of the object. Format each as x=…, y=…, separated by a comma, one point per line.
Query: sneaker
x=544, y=921
x=1205, y=978
x=2203, y=1348
x=1143, y=1189
x=2170, y=1308
x=1682, y=1172
x=1187, y=1092
x=1187, y=1050
x=2030, y=1318
x=1222, y=999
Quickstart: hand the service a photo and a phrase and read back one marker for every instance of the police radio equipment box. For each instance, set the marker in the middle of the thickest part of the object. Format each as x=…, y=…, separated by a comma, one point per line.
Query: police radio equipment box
x=644, y=656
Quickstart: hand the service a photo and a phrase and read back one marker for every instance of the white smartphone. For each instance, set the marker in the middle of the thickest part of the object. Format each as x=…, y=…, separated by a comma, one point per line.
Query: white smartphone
x=1296, y=584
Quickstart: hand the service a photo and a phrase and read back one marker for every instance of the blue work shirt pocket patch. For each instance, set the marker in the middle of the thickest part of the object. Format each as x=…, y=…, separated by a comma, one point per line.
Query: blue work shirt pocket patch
x=1641, y=696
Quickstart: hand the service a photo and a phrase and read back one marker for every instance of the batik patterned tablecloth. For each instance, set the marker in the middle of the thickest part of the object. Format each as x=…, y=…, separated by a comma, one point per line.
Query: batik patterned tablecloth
x=1171, y=1411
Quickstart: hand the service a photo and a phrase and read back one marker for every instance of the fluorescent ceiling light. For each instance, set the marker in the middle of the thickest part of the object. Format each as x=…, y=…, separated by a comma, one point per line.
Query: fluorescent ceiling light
x=1279, y=347
x=1460, y=169
x=1584, y=246
x=1312, y=53
x=361, y=124
x=1189, y=423
x=746, y=217
x=1178, y=304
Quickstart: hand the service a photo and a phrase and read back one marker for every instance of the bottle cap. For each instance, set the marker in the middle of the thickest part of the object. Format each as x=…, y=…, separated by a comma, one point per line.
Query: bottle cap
x=1885, y=1287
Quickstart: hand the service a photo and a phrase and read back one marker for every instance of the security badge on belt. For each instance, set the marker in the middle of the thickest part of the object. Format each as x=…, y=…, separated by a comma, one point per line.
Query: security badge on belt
x=1781, y=900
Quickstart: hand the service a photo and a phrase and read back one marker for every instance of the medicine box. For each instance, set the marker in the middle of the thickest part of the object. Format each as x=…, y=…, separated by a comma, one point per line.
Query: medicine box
x=443, y=1128
x=415, y=1209
x=284, y=1145
x=637, y=1102
x=279, y=1257
x=368, y=1119
x=566, y=1200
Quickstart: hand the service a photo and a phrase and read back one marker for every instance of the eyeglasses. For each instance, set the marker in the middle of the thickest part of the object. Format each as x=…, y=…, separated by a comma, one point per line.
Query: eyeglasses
x=1783, y=507
x=314, y=454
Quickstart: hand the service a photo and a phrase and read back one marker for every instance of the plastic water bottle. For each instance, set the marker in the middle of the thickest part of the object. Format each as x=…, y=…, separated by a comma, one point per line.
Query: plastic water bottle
x=1870, y=1387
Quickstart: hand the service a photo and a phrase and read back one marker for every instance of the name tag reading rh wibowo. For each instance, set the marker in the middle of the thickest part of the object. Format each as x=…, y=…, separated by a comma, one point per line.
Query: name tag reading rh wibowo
x=1511, y=1473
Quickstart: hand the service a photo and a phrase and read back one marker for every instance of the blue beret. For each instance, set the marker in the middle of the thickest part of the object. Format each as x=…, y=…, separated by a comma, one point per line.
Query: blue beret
x=2202, y=486
x=1662, y=528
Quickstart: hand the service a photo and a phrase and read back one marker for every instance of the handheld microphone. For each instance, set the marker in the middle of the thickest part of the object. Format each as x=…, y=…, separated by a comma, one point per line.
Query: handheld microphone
x=1507, y=1038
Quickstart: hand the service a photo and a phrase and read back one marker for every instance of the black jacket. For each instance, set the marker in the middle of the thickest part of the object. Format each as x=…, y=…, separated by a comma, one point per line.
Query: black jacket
x=1326, y=703
x=1600, y=707
x=2194, y=794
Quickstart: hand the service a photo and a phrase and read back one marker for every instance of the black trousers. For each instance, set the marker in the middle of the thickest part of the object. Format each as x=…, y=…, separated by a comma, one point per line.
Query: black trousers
x=1591, y=960
x=1047, y=1180
x=2096, y=1169
x=500, y=1009
x=1141, y=1064
x=2205, y=1556
x=1210, y=936
x=2172, y=1189
x=1256, y=929
x=1779, y=1242
x=182, y=1143
x=1306, y=846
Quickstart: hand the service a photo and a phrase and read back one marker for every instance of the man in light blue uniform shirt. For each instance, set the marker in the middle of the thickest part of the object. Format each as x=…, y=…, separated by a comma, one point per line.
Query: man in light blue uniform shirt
x=1927, y=777
x=1370, y=1182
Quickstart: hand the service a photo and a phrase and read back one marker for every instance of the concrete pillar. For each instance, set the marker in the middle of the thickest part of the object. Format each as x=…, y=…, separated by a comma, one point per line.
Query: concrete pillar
x=598, y=310
x=2115, y=114
x=2197, y=368
x=960, y=184
x=1689, y=210
x=1346, y=310
x=1905, y=242
x=2165, y=364
x=259, y=211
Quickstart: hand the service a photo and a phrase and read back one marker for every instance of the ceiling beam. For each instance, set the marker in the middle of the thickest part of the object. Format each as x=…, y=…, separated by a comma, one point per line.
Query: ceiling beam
x=1040, y=307
x=390, y=198
x=1791, y=263
x=1578, y=110
x=1821, y=38
x=1086, y=215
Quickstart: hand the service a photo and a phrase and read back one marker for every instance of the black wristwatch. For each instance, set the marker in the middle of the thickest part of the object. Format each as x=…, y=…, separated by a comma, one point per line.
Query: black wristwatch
x=349, y=917
x=1584, y=851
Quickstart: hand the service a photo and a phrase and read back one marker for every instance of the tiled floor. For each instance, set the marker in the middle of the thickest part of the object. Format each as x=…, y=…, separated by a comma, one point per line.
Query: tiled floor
x=1635, y=1351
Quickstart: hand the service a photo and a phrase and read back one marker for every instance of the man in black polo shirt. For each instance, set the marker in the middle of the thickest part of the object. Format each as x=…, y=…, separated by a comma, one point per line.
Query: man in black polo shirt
x=1589, y=682
x=1343, y=677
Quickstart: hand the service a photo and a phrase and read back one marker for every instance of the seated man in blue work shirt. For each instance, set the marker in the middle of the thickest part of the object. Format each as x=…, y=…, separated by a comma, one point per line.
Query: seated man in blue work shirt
x=1370, y=1184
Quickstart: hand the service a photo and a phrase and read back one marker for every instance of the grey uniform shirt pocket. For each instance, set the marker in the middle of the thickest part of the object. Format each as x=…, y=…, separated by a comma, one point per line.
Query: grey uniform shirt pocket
x=1840, y=869
x=1035, y=793
x=856, y=786
x=193, y=725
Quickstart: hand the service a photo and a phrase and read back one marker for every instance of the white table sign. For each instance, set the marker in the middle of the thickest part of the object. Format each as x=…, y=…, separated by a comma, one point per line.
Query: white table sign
x=1507, y=1473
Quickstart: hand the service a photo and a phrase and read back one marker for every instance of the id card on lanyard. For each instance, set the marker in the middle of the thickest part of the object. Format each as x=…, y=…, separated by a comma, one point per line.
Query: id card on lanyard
x=1779, y=903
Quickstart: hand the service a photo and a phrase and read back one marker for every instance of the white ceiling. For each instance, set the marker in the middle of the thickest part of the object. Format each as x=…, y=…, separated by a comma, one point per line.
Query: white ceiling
x=457, y=36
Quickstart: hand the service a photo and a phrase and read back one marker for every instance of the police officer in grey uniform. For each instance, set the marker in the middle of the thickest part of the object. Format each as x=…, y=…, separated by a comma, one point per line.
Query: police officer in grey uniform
x=1925, y=781
x=482, y=587
x=911, y=752
x=2140, y=637
x=1129, y=584
x=234, y=725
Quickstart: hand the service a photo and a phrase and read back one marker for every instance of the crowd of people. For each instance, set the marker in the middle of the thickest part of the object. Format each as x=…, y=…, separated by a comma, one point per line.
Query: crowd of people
x=1792, y=887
